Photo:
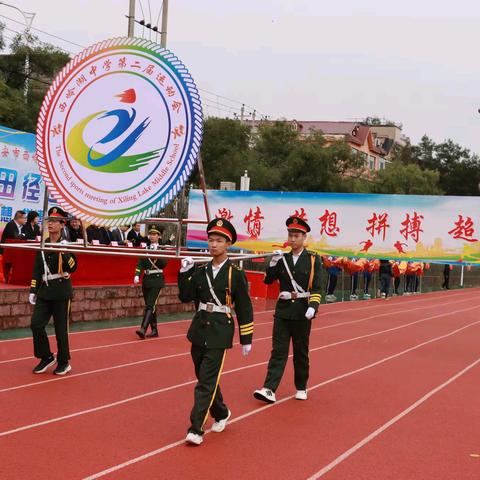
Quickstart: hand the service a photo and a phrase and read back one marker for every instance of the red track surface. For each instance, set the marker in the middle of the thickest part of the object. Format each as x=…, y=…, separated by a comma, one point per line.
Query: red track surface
x=393, y=394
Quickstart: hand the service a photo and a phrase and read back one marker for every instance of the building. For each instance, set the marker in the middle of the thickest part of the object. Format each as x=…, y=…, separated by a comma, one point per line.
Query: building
x=374, y=143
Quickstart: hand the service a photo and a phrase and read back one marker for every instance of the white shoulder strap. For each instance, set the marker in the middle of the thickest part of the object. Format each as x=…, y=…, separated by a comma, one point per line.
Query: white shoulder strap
x=296, y=287
x=212, y=291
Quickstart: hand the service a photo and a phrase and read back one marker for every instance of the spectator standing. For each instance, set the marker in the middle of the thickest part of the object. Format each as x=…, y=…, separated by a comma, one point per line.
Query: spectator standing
x=446, y=276
x=385, y=272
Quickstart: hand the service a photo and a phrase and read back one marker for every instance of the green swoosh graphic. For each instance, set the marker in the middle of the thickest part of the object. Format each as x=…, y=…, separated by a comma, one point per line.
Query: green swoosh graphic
x=78, y=149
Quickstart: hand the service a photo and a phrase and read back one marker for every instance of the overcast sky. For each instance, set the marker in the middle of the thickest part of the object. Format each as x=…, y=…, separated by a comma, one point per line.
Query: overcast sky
x=411, y=61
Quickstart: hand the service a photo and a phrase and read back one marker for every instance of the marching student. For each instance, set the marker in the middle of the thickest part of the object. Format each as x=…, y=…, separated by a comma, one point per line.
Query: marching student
x=152, y=283
x=298, y=272
x=217, y=289
x=51, y=293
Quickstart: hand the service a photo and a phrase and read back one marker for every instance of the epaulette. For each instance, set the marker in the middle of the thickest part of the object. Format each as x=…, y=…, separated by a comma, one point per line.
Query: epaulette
x=237, y=267
x=311, y=252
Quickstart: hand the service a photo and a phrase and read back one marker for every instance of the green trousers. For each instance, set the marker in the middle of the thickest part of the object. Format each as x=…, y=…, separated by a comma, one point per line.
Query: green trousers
x=207, y=397
x=60, y=311
x=150, y=296
x=284, y=331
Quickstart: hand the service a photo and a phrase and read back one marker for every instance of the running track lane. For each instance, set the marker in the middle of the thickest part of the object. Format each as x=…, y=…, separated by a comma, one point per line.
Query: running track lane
x=145, y=417
x=133, y=352
x=437, y=439
x=293, y=439
x=97, y=391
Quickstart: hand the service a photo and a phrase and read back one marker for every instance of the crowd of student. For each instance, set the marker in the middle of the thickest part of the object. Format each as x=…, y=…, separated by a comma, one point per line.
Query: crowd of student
x=390, y=275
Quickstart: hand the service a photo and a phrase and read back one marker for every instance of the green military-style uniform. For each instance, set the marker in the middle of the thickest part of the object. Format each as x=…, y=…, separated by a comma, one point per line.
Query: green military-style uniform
x=290, y=322
x=152, y=283
x=212, y=329
x=52, y=286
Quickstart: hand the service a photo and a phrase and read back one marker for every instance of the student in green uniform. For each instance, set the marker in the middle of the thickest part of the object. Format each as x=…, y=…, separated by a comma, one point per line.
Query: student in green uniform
x=51, y=293
x=217, y=288
x=298, y=272
x=152, y=283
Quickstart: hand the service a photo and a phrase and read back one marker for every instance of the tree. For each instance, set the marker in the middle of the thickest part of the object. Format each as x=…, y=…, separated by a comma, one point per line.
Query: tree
x=225, y=150
x=45, y=61
x=407, y=179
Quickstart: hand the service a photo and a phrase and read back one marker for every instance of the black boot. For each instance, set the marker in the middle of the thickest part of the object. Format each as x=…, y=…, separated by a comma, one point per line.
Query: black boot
x=145, y=322
x=153, y=325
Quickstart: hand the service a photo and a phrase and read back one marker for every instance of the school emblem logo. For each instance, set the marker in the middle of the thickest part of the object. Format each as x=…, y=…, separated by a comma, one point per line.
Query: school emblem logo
x=119, y=131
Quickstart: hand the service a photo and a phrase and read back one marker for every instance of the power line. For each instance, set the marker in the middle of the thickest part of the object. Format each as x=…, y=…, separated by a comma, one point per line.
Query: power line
x=38, y=40
x=44, y=32
x=236, y=109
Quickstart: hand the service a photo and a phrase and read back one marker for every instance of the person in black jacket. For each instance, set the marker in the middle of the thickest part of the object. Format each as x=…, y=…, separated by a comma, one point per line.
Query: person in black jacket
x=135, y=236
x=75, y=229
x=31, y=229
x=446, y=276
x=386, y=273
x=14, y=228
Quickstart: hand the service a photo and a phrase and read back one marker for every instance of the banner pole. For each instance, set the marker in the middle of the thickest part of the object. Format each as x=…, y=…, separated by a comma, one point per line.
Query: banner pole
x=461, y=276
x=44, y=219
x=203, y=186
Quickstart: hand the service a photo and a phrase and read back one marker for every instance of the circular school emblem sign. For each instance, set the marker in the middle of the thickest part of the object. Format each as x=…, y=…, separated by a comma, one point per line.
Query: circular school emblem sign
x=119, y=131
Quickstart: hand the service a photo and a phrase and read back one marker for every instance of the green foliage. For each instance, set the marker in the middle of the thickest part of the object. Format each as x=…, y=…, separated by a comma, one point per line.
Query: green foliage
x=458, y=168
x=277, y=158
x=407, y=179
x=45, y=61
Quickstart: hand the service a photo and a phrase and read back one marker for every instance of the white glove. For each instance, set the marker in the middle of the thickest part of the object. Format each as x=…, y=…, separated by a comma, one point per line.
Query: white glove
x=136, y=279
x=32, y=298
x=64, y=242
x=172, y=237
x=285, y=296
x=187, y=264
x=246, y=349
x=277, y=255
x=310, y=313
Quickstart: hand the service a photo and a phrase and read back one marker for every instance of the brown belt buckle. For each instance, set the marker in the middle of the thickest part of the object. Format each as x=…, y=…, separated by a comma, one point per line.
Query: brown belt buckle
x=294, y=295
x=209, y=307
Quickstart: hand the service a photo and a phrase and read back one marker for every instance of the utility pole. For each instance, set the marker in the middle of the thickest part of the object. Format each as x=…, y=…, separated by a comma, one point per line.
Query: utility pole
x=131, y=19
x=163, y=33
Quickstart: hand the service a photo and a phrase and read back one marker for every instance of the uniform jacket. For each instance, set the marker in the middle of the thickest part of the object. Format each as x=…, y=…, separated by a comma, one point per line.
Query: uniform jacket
x=216, y=329
x=295, y=309
x=60, y=288
x=153, y=280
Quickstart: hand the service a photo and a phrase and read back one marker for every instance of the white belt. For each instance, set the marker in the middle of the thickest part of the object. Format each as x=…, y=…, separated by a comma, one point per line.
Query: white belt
x=151, y=272
x=211, y=307
x=293, y=295
x=54, y=276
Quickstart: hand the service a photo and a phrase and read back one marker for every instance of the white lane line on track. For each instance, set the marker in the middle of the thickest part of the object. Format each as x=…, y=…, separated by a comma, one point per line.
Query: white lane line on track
x=108, y=345
x=150, y=454
x=401, y=300
x=166, y=357
x=100, y=330
x=130, y=342
x=391, y=422
x=191, y=382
